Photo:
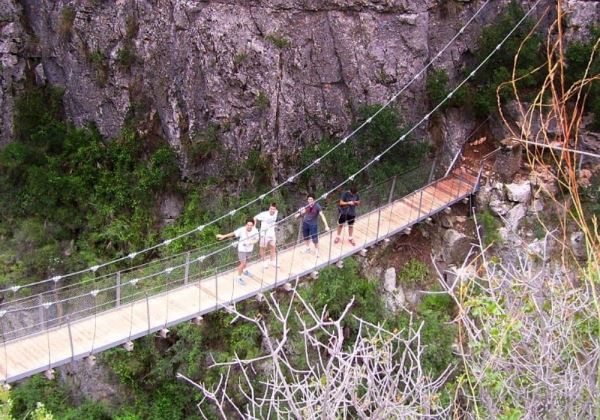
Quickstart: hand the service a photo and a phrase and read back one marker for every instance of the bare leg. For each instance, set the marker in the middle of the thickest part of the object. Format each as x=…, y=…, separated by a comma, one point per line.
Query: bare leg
x=241, y=267
x=350, y=231
x=273, y=252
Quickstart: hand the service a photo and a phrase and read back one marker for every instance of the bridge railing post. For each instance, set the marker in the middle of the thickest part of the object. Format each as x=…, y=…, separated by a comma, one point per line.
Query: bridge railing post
x=391, y=196
x=148, y=312
x=420, y=203
x=378, y=221
x=41, y=312
x=70, y=338
x=216, y=290
x=276, y=269
x=435, y=195
x=331, y=243
x=186, y=270
x=118, y=290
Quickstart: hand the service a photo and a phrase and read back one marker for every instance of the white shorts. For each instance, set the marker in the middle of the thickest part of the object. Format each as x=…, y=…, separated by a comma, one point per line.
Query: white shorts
x=266, y=241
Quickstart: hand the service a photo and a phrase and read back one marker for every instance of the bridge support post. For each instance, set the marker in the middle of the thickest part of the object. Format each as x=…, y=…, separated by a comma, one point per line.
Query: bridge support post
x=260, y=297
x=186, y=273
x=164, y=333
x=363, y=252
x=314, y=275
x=41, y=312
x=118, y=298
x=197, y=320
x=70, y=338
x=148, y=312
x=378, y=221
x=391, y=196
x=340, y=264
x=287, y=287
x=128, y=346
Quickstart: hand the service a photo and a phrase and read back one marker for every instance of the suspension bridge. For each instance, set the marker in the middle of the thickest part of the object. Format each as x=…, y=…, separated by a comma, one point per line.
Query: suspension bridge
x=45, y=324
x=57, y=327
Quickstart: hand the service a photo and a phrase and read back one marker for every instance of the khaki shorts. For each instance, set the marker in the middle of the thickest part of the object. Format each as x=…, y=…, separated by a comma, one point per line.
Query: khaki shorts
x=244, y=256
x=266, y=241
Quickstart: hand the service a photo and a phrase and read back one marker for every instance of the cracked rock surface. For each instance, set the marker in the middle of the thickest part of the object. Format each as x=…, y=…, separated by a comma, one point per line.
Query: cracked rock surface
x=271, y=75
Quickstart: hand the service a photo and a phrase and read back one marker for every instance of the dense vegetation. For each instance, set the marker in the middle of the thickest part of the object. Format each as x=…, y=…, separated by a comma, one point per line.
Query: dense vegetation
x=525, y=54
x=66, y=192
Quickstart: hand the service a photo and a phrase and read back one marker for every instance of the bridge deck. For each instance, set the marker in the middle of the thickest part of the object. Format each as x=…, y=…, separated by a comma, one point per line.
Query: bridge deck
x=59, y=345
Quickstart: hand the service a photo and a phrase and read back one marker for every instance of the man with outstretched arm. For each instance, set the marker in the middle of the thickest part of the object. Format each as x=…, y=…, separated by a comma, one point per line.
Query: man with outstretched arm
x=268, y=220
x=310, y=223
x=247, y=236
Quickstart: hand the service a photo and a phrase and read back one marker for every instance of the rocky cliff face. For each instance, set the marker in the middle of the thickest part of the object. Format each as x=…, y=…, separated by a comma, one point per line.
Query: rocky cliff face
x=268, y=74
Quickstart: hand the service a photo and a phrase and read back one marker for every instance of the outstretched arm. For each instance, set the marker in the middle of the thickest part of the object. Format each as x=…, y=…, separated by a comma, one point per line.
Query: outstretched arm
x=220, y=237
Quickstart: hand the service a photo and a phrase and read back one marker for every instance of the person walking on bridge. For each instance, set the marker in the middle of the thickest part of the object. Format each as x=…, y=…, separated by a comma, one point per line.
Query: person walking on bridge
x=247, y=236
x=347, y=211
x=310, y=223
x=268, y=220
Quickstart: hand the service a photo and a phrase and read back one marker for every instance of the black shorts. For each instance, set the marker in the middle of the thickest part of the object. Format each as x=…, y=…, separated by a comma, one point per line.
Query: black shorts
x=346, y=218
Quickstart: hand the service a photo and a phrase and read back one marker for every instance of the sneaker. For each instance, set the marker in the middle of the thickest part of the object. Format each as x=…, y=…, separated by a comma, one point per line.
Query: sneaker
x=274, y=264
x=241, y=281
x=352, y=242
x=336, y=240
x=306, y=251
x=247, y=273
x=266, y=264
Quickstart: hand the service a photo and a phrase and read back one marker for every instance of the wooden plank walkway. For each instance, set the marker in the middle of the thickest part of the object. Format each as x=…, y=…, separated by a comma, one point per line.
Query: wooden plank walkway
x=38, y=352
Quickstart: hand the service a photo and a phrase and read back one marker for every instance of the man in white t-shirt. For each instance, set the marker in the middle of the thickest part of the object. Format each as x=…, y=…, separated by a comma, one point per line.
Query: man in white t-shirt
x=268, y=220
x=247, y=236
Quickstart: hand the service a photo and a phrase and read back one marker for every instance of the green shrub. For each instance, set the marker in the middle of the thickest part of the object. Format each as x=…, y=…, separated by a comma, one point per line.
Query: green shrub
x=126, y=56
x=99, y=63
x=26, y=397
x=437, y=90
x=490, y=226
x=578, y=56
x=498, y=69
x=261, y=167
x=239, y=58
x=278, y=40
x=59, y=183
x=413, y=272
x=335, y=288
x=65, y=23
x=371, y=140
x=204, y=144
x=437, y=334
x=131, y=27
x=262, y=101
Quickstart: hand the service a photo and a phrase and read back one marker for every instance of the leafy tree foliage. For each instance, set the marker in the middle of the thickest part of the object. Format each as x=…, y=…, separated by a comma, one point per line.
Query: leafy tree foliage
x=63, y=187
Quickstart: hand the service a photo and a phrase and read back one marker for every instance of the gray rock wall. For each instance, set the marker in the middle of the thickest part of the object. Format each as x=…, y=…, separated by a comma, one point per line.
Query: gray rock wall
x=271, y=74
